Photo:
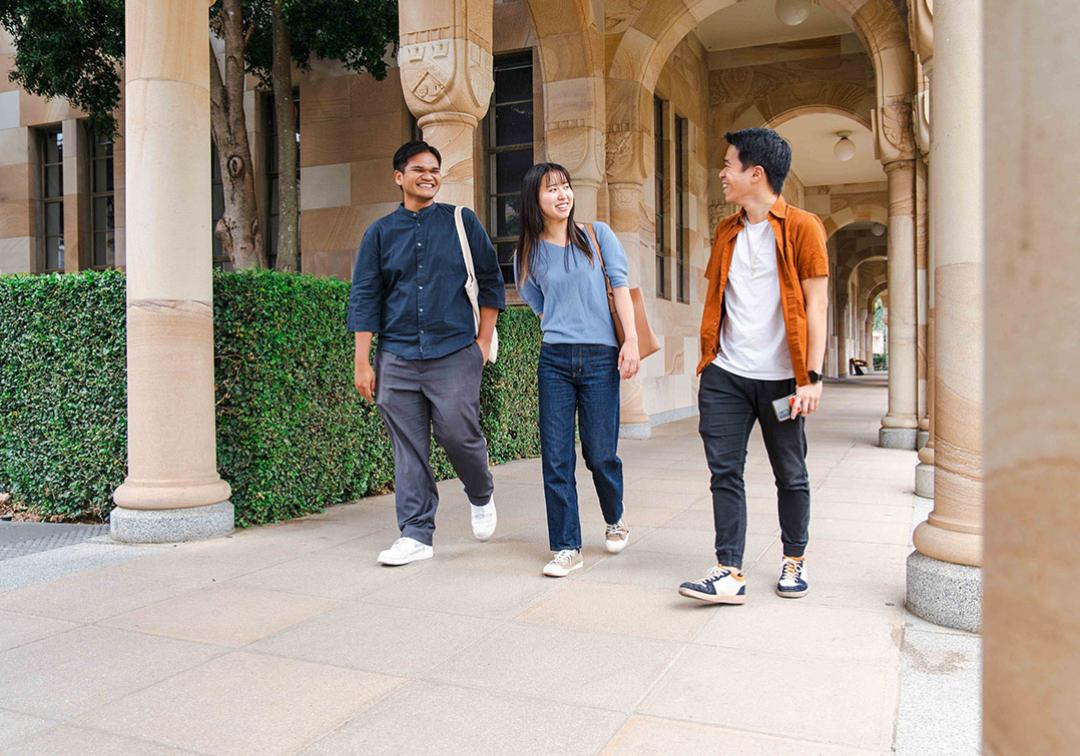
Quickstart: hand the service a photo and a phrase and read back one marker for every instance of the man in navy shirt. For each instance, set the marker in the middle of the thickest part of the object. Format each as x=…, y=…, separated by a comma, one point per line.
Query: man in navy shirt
x=408, y=286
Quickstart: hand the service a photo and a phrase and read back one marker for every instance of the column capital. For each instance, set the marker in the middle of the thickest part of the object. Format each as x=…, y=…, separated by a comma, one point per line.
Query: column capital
x=894, y=138
x=447, y=69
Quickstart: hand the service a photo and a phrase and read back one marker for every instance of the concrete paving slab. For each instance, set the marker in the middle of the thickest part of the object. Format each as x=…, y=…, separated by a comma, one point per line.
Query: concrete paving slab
x=827, y=701
x=586, y=669
x=19, y=629
x=456, y=720
x=66, y=740
x=16, y=727
x=386, y=639
x=227, y=615
x=646, y=736
x=243, y=704
x=62, y=675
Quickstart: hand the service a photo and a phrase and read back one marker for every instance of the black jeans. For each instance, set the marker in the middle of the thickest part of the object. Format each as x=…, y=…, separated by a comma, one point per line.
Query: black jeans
x=728, y=405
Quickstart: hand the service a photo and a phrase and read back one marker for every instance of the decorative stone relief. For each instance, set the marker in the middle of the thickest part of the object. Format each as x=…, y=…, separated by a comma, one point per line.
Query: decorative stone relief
x=893, y=132
x=432, y=62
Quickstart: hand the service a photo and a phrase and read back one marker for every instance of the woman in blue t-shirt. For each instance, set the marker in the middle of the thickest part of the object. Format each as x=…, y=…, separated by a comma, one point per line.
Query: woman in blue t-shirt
x=560, y=274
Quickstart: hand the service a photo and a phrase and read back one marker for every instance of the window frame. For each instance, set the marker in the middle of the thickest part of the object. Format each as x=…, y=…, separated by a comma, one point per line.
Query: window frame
x=45, y=200
x=661, y=186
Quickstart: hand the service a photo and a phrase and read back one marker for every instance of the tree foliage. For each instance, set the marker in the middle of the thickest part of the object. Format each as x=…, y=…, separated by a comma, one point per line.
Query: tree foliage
x=71, y=49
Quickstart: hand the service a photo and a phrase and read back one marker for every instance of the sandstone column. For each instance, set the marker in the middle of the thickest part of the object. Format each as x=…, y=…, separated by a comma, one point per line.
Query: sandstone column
x=173, y=491
x=628, y=104
x=899, y=426
x=944, y=579
x=446, y=74
x=1031, y=669
x=922, y=304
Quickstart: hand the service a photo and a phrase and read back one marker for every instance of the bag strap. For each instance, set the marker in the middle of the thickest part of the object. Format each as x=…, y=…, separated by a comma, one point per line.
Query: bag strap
x=599, y=253
x=463, y=242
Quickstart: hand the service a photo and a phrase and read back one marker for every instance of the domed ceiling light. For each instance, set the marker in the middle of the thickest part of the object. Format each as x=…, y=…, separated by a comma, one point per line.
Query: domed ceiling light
x=877, y=229
x=844, y=148
x=792, y=12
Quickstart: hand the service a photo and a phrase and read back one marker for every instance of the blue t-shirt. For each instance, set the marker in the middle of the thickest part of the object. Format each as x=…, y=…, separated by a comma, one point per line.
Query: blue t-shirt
x=570, y=292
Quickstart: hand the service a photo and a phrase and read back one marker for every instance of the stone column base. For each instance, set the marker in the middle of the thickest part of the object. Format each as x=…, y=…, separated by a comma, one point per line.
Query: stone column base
x=924, y=480
x=921, y=438
x=944, y=593
x=897, y=438
x=171, y=525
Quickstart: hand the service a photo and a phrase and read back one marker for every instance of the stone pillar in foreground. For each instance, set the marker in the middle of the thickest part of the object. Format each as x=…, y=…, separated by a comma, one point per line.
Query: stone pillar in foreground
x=446, y=74
x=172, y=491
x=900, y=426
x=922, y=304
x=944, y=575
x=1031, y=668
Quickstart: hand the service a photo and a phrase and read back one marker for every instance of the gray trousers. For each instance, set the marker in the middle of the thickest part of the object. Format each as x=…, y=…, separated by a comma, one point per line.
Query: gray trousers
x=416, y=397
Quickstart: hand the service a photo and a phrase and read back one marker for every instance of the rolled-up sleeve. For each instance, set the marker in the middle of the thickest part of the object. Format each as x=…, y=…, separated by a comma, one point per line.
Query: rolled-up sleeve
x=365, y=295
x=530, y=292
x=813, y=255
x=614, y=255
x=485, y=262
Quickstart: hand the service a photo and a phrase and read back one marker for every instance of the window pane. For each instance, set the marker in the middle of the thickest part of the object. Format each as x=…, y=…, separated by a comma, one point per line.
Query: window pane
x=506, y=257
x=54, y=253
x=100, y=255
x=508, y=215
x=101, y=213
x=54, y=146
x=54, y=218
x=513, y=83
x=510, y=168
x=54, y=181
x=514, y=124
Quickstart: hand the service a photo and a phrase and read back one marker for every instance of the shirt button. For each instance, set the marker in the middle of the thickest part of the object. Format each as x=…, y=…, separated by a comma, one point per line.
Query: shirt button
x=419, y=244
x=421, y=288
x=421, y=310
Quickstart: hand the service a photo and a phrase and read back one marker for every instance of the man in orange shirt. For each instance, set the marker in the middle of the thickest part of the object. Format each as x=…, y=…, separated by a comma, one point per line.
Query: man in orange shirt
x=762, y=339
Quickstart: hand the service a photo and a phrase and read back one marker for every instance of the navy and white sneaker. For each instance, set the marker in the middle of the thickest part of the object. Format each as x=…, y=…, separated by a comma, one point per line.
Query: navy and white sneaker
x=721, y=585
x=792, y=582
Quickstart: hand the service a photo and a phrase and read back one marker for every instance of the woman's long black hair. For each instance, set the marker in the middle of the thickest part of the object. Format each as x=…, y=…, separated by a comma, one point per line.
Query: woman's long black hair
x=532, y=218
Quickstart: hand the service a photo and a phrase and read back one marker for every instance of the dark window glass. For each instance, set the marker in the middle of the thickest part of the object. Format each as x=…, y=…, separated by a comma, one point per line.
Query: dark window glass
x=51, y=201
x=662, y=290
x=682, y=264
x=102, y=210
x=509, y=138
x=217, y=209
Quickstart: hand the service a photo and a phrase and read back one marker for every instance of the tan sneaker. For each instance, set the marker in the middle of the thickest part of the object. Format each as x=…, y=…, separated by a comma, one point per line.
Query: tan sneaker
x=616, y=537
x=563, y=563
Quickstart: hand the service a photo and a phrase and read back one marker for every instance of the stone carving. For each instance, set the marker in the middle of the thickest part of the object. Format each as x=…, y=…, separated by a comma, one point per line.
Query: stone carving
x=882, y=25
x=619, y=149
x=481, y=79
x=892, y=125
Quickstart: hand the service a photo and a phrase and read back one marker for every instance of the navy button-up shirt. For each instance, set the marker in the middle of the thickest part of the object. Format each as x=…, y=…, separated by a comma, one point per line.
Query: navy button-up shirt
x=408, y=283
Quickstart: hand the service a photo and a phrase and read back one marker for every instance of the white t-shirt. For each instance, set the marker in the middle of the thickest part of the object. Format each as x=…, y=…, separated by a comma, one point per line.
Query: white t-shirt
x=753, y=338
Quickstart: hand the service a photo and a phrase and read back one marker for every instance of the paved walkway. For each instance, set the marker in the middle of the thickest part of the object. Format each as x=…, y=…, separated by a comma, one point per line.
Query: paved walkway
x=290, y=638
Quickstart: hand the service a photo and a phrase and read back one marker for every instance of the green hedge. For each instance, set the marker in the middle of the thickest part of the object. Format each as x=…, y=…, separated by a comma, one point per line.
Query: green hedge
x=293, y=435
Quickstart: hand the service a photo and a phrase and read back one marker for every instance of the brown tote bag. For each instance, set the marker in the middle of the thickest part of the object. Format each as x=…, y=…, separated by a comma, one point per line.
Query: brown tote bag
x=647, y=341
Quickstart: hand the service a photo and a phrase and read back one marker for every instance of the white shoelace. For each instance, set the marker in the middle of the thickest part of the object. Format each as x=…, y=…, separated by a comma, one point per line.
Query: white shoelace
x=564, y=558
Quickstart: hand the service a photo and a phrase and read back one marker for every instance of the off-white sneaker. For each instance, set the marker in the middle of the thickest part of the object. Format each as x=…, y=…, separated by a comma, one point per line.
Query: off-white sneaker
x=792, y=582
x=616, y=537
x=484, y=520
x=405, y=550
x=721, y=585
x=563, y=563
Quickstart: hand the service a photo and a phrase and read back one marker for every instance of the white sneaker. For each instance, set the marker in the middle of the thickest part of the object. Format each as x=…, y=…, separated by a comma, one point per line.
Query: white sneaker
x=484, y=520
x=616, y=537
x=563, y=563
x=405, y=550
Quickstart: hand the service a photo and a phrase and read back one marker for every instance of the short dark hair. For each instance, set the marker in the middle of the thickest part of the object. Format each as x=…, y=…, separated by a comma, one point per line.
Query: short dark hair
x=409, y=150
x=766, y=148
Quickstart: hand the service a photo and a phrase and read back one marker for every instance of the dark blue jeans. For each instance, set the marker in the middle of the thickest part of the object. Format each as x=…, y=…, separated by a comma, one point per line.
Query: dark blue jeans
x=729, y=405
x=581, y=380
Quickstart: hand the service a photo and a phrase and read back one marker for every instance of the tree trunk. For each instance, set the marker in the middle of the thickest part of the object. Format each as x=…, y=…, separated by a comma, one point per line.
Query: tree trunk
x=288, y=254
x=238, y=229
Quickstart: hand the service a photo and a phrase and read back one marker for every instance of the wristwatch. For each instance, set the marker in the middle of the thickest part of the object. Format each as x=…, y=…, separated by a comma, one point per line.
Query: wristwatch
x=815, y=376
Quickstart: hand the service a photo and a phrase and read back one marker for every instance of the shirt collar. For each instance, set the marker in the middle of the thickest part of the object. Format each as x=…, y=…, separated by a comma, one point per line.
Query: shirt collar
x=423, y=212
x=778, y=210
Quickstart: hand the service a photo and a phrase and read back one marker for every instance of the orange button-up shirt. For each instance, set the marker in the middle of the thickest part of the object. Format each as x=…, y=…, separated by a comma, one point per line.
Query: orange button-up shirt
x=800, y=254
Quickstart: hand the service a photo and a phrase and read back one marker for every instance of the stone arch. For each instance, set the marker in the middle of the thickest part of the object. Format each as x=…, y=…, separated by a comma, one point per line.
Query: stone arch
x=643, y=38
x=571, y=54
x=872, y=213
x=800, y=110
x=868, y=259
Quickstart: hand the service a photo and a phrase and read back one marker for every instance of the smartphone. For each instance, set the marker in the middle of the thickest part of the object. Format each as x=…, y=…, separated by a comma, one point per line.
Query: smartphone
x=782, y=407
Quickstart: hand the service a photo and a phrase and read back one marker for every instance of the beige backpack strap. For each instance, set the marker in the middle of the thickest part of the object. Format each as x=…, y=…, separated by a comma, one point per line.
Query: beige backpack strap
x=463, y=241
x=599, y=252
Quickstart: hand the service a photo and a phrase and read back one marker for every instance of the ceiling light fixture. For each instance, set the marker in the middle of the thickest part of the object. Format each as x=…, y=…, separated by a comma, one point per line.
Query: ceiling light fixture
x=792, y=12
x=877, y=229
x=844, y=148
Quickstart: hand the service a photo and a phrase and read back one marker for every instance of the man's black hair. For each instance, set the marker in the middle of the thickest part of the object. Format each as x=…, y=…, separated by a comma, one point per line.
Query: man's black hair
x=766, y=148
x=410, y=150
